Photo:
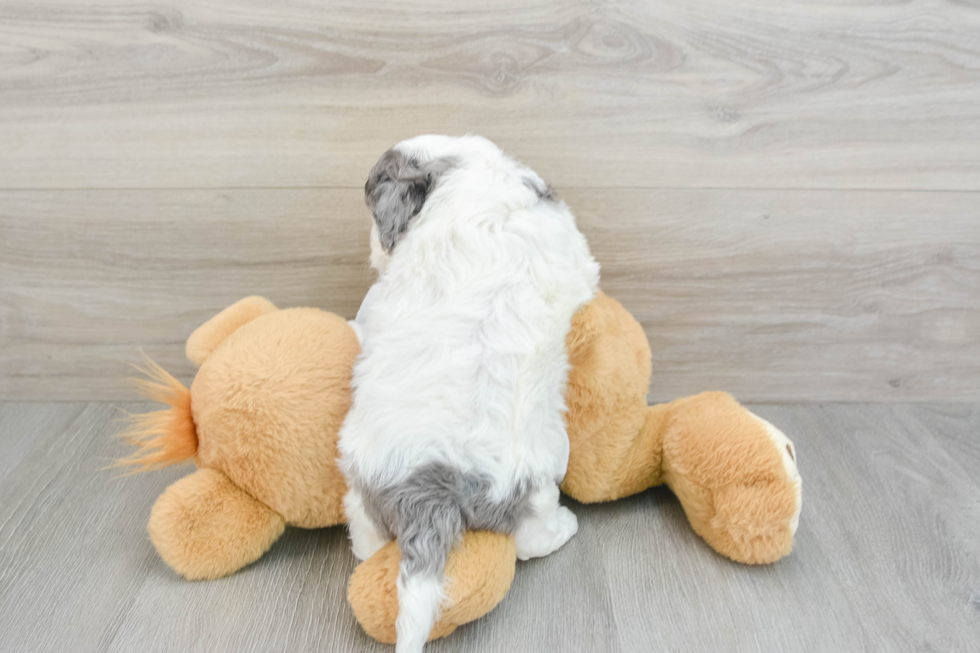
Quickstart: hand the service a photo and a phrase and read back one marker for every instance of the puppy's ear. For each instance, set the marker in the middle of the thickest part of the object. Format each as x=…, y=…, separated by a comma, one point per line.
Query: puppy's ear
x=396, y=190
x=543, y=190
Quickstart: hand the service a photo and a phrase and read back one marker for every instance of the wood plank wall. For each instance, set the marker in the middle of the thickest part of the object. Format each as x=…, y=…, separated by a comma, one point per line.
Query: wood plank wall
x=786, y=194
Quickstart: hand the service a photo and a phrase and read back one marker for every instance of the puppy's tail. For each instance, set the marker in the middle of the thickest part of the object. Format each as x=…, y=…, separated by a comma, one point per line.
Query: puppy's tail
x=163, y=437
x=429, y=526
x=419, y=600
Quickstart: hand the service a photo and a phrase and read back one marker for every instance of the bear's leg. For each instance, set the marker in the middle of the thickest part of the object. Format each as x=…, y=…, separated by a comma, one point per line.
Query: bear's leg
x=479, y=571
x=735, y=475
x=204, y=526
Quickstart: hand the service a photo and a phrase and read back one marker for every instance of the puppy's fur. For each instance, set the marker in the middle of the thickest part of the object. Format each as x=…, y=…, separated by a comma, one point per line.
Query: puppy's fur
x=457, y=418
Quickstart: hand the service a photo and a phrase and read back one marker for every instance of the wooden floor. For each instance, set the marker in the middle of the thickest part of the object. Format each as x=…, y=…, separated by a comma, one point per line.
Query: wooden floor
x=785, y=193
x=887, y=556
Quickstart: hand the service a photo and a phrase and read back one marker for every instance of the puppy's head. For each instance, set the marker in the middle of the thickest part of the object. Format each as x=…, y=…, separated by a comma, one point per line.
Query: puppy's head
x=396, y=190
x=406, y=175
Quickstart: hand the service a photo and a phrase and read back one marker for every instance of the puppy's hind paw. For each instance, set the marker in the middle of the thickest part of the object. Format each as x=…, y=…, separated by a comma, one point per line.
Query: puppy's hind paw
x=538, y=538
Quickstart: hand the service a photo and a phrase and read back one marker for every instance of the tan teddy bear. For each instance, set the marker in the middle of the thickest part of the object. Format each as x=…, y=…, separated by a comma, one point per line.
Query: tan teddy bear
x=261, y=419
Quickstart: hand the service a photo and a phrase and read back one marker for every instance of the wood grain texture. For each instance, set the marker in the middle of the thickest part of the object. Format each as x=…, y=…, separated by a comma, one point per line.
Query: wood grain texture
x=235, y=93
x=771, y=295
x=887, y=556
x=786, y=194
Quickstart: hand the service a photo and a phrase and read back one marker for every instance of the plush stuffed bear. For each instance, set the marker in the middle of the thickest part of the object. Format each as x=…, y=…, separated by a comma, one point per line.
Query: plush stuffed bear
x=261, y=421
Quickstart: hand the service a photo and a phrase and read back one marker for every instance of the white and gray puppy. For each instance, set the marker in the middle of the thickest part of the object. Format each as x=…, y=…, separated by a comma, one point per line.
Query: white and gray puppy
x=457, y=417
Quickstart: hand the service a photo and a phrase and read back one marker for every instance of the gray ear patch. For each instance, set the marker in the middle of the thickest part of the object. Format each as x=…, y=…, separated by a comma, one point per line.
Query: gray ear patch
x=396, y=190
x=544, y=191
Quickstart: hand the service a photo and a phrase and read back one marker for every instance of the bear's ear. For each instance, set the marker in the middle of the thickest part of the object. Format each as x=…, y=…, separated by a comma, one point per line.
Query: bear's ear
x=396, y=190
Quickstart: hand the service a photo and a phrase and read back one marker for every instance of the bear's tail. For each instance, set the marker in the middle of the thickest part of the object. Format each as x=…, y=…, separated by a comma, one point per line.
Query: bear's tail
x=163, y=437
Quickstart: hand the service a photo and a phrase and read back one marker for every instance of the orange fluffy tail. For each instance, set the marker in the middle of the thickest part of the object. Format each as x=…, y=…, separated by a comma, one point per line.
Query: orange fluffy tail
x=163, y=437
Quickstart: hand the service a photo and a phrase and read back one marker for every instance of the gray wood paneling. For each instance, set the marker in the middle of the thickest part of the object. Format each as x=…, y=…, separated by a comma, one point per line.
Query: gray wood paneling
x=241, y=93
x=786, y=194
x=771, y=295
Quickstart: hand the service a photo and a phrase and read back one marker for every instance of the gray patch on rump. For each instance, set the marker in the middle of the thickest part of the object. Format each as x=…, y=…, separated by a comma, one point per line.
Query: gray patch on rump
x=431, y=508
x=396, y=190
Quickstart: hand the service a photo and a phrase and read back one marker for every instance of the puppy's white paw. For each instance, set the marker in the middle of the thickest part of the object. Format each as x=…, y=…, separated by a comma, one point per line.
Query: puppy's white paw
x=539, y=537
x=565, y=526
x=364, y=537
x=365, y=543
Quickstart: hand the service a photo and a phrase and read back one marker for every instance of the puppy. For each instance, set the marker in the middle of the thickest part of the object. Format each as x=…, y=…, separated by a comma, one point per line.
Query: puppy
x=457, y=416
